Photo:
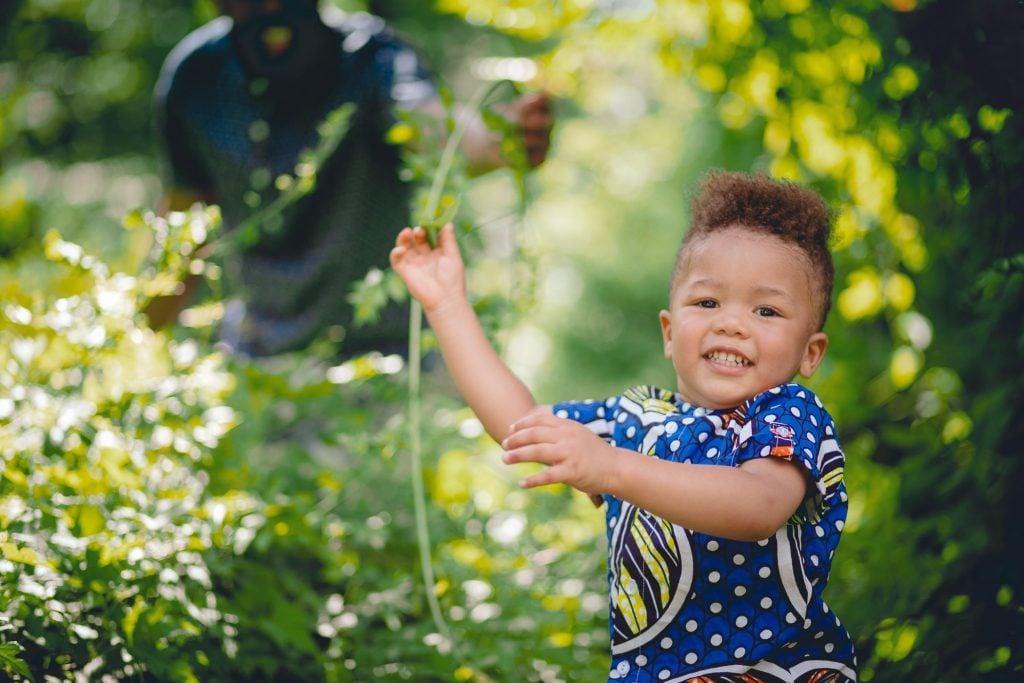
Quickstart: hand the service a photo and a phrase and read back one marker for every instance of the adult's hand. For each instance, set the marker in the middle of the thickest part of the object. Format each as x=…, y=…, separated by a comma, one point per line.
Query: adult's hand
x=532, y=114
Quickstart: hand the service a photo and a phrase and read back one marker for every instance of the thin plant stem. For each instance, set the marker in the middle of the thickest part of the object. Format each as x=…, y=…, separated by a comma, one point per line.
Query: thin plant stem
x=415, y=367
x=416, y=446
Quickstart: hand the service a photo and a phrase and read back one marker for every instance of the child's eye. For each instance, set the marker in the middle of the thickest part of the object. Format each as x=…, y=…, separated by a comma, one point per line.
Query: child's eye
x=707, y=303
x=766, y=312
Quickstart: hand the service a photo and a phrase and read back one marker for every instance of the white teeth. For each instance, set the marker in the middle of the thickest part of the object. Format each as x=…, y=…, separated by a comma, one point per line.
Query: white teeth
x=728, y=358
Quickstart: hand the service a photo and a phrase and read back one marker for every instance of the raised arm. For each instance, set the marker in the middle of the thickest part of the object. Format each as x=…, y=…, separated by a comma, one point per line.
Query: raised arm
x=436, y=278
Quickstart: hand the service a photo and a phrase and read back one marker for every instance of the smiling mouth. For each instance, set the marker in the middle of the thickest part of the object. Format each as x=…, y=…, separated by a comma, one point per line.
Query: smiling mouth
x=728, y=359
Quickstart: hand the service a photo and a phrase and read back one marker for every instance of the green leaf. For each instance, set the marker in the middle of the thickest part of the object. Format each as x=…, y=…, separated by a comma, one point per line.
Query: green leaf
x=11, y=663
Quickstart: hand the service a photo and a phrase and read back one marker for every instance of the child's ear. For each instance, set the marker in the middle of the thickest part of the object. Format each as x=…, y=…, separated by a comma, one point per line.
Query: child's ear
x=817, y=343
x=666, y=332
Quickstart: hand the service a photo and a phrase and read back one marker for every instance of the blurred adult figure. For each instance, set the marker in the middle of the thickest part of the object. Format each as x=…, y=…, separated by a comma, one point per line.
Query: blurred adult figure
x=237, y=102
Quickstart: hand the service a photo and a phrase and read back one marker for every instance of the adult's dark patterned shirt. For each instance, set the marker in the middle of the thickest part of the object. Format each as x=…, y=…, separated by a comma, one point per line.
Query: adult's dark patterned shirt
x=228, y=136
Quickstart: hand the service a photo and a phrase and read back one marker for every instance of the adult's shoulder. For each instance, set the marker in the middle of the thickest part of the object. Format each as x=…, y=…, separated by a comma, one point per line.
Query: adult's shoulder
x=381, y=59
x=198, y=53
x=359, y=30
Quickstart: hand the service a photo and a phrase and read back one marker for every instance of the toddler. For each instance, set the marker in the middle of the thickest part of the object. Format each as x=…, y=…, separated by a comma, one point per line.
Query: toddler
x=724, y=498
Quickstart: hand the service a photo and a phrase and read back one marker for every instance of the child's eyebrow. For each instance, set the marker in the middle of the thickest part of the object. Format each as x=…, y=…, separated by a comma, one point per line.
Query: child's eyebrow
x=705, y=282
x=768, y=290
x=760, y=290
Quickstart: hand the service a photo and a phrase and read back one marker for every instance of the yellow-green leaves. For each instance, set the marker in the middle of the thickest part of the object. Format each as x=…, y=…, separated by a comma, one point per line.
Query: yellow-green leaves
x=862, y=296
x=532, y=19
x=901, y=81
x=20, y=554
x=895, y=641
x=100, y=425
x=992, y=119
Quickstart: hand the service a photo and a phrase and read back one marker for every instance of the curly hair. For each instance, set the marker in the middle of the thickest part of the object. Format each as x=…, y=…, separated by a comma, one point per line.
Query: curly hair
x=794, y=213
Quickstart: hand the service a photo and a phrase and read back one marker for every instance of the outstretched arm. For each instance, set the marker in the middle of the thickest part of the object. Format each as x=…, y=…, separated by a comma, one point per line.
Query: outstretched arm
x=436, y=278
x=530, y=113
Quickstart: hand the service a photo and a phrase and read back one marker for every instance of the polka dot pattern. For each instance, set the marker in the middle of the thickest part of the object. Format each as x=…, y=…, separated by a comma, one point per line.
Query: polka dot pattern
x=728, y=602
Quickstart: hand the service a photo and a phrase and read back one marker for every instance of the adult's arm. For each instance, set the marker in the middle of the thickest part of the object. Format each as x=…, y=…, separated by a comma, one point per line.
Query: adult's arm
x=164, y=310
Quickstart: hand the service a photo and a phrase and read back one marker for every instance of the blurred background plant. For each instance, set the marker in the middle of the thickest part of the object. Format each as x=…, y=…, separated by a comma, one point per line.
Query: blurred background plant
x=159, y=519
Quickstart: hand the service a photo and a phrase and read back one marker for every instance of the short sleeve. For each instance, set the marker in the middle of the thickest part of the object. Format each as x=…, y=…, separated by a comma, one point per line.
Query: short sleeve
x=411, y=84
x=398, y=74
x=597, y=416
x=790, y=422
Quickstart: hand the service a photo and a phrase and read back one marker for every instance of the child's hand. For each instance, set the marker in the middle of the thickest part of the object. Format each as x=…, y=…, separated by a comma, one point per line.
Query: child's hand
x=574, y=454
x=433, y=276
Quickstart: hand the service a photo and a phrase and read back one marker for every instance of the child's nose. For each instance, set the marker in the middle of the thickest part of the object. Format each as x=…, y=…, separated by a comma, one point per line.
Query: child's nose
x=730, y=323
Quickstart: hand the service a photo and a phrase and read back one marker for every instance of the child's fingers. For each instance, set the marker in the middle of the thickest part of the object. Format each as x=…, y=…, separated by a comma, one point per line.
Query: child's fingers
x=417, y=238
x=534, y=418
x=530, y=434
x=446, y=240
x=408, y=236
x=542, y=478
x=404, y=242
x=544, y=454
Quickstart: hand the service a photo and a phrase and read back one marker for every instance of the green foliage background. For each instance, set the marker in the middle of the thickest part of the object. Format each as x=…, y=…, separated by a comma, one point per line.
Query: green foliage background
x=170, y=514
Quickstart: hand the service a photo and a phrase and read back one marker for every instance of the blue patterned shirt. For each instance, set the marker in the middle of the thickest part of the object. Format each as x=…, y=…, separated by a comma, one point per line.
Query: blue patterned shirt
x=688, y=606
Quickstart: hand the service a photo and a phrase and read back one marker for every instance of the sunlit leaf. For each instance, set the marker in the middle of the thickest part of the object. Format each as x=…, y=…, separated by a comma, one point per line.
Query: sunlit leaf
x=901, y=81
x=898, y=290
x=904, y=366
x=862, y=297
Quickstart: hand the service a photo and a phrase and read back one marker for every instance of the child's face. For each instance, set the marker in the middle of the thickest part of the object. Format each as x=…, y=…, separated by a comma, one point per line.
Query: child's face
x=742, y=318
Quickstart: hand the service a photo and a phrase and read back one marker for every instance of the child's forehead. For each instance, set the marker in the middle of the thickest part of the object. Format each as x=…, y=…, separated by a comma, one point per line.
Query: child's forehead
x=727, y=252
x=734, y=243
x=738, y=232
